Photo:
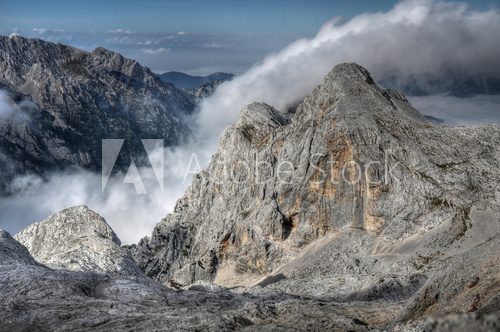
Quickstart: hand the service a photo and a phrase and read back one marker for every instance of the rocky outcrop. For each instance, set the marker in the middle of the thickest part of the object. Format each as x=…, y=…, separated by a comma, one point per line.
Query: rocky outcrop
x=35, y=297
x=78, y=239
x=70, y=100
x=356, y=197
x=203, y=91
x=12, y=252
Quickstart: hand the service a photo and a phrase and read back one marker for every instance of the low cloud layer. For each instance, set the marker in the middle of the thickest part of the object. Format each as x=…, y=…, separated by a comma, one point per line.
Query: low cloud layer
x=12, y=111
x=414, y=37
x=457, y=111
x=132, y=215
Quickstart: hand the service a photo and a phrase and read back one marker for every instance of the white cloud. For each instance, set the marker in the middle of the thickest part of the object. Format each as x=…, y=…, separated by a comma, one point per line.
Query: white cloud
x=120, y=30
x=132, y=215
x=9, y=110
x=39, y=31
x=481, y=109
x=152, y=51
x=15, y=32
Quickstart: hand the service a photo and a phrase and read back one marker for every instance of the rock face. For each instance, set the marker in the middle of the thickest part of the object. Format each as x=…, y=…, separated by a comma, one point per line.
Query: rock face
x=35, y=297
x=78, y=239
x=355, y=197
x=12, y=252
x=66, y=101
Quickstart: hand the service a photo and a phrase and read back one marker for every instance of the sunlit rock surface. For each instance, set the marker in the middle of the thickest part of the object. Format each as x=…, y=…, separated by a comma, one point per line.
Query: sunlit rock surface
x=351, y=213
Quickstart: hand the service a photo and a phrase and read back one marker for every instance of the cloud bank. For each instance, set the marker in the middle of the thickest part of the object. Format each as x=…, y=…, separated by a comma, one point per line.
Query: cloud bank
x=132, y=215
x=457, y=111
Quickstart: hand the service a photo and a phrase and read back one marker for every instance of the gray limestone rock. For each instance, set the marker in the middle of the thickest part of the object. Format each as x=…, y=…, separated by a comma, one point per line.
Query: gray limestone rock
x=70, y=100
x=352, y=157
x=78, y=239
x=352, y=213
x=12, y=252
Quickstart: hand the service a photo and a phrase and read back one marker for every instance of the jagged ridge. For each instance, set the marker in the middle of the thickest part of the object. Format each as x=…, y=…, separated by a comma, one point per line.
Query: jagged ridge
x=375, y=198
x=77, y=99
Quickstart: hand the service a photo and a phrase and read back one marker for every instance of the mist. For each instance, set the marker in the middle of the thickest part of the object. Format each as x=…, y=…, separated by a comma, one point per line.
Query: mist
x=414, y=37
x=129, y=212
x=456, y=111
x=12, y=111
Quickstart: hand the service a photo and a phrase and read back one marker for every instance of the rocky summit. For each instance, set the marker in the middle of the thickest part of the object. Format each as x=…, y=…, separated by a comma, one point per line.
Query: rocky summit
x=64, y=101
x=77, y=239
x=354, y=164
x=351, y=212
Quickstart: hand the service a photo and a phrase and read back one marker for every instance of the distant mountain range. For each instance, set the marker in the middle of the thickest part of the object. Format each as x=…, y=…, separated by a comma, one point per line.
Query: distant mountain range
x=452, y=82
x=185, y=81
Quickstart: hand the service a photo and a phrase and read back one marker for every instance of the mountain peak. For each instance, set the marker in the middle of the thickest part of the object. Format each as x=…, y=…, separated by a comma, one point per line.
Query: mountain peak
x=260, y=115
x=322, y=180
x=351, y=71
x=77, y=238
x=349, y=92
x=81, y=98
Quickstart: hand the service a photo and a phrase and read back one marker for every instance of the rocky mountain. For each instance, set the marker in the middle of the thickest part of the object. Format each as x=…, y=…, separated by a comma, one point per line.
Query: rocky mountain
x=78, y=239
x=35, y=297
x=276, y=185
x=204, y=90
x=351, y=213
x=85, y=300
x=355, y=197
x=185, y=81
x=63, y=101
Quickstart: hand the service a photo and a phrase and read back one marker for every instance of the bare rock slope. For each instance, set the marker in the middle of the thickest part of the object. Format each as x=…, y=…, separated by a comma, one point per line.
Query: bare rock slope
x=78, y=239
x=353, y=213
x=36, y=297
x=353, y=156
x=12, y=252
x=64, y=101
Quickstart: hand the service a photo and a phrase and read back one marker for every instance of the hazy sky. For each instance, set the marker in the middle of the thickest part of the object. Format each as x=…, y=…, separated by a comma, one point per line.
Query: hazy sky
x=194, y=36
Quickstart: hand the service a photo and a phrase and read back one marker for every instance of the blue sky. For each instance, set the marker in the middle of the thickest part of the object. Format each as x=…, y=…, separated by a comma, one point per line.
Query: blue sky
x=194, y=36
x=208, y=16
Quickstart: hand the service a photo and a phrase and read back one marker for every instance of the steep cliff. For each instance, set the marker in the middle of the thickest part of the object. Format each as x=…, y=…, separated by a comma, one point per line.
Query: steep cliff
x=63, y=101
x=354, y=197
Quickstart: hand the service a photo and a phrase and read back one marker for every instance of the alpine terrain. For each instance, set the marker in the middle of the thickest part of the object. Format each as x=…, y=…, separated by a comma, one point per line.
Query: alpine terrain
x=351, y=212
x=64, y=101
